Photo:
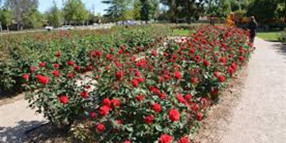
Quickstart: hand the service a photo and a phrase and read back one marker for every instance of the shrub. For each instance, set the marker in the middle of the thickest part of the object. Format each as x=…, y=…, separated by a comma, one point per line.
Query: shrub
x=162, y=95
x=20, y=51
x=282, y=37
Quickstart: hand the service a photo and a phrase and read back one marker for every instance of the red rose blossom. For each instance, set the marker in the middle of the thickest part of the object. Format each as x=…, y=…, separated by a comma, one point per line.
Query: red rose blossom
x=189, y=97
x=42, y=79
x=134, y=83
x=199, y=116
x=183, y=140
x=177, y=75
x=100, y=128
x=165, y=138
x=104, y=110
x=92, y=114
x=26, y=76
x=77, y=68
x=70, y=63
x=42, y=64
x=126, y=141
x=106, y=102
x=84, y=94
x=57, y=54
x=119, y=75
x=56, y=66
x=174, y=115
x=63, y=99
x=140, y=98
x=115, y=102
x=32, y=69
x=149, y=119
x=56, y=73
x=70, y=75
x=221, y=78
x=156, y=107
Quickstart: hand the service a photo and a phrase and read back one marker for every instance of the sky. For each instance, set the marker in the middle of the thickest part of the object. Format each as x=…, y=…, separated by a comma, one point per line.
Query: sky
x=99, y=7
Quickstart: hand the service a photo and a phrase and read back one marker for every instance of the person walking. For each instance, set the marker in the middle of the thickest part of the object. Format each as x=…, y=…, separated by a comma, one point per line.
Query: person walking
x=252, y=26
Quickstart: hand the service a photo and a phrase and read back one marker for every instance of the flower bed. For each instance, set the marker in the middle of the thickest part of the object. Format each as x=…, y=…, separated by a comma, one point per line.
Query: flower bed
x=161, y=96
x=20, y=51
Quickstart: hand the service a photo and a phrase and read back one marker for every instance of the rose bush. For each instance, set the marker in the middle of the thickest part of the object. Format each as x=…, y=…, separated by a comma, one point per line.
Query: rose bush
x=161, y=95
x=20, y=51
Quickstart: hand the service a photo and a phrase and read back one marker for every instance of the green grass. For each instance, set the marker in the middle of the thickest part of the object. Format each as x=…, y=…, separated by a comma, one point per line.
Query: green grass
x=180, y=32
x=269, y=36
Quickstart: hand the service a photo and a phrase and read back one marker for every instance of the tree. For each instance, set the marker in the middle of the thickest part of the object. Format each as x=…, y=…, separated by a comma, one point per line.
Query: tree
x=117, y=9
x=20, y=9
x=219, y=8
x=33, y=19
x=54, y=16
x=184, y=9
x=74, y=11
x=149, y=9
x=5, y=18
x=265, y=10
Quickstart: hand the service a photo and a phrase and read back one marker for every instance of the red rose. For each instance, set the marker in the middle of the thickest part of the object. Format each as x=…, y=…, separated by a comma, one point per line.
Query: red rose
x=71, y=63
x=104, y=110
x=183, y=140
x=222, y=59
x=194, y=107
x=92, y=114
x=160, y=79
x=26, y=76
x=32, y=69
x=167, y=77
x=154, y=53
x=140, y=98
x=118, y=122
x=177, y=75
x=138, y=73
x=165, y=138
x=100, y=127
x=42, y=79
x=140, y=79
x=42, y=64
x=109, y=57
x=57, y=54
x=149, y=119
x=70, y=75
x=180, y=99
x=77, y=68
x=221, y=78
x=56, y=66
x=63, y=99
x=189, y=97
x=56, y=73
x=126, y=141
x=162, y=96
x=206, y=63
x=106, y=102
x=195, y=80
x=199, y=116
x=216, y=74
x=156, y=107
x=174, y=115
x=119, y=75
x=134, y=83
x=84, y=94
x=214, y=92
x=115, y=103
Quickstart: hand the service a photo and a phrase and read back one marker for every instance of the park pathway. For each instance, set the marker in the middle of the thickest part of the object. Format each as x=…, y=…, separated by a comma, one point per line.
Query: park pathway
x=15, y=119
x=260, y=116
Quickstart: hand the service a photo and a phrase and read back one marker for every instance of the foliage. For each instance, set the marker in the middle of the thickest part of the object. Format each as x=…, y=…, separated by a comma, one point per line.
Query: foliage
x=5, y=17
x=33, y=19
x=136, y=93
x=74, y=11
x=282, y=37
x=27, y=49
x=117, y=9
x=54, y=16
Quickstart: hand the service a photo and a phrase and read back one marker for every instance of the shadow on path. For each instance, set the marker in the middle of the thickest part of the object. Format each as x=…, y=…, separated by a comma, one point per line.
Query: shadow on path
x=17, y=134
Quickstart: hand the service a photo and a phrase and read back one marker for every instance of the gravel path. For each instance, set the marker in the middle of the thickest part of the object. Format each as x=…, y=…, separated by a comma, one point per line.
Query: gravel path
x=260, y=116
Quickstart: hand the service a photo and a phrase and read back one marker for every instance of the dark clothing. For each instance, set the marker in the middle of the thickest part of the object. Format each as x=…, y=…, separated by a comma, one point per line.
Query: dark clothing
x=252, y=26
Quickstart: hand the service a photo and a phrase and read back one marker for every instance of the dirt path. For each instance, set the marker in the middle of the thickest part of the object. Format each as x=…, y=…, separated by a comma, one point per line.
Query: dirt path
x=15, y=119
x=260, y=116
x=255, y=110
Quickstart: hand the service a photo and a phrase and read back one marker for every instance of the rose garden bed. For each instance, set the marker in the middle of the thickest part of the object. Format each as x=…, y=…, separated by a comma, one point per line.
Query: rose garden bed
x=161, y=96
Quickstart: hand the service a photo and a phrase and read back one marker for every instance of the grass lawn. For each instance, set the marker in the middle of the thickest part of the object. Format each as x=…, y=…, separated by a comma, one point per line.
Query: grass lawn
x=180, y=32
x=269, y=36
